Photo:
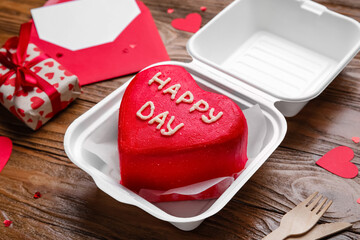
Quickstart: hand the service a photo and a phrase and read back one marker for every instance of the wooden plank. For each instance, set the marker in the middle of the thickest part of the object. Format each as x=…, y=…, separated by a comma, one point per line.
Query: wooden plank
x=72, y=207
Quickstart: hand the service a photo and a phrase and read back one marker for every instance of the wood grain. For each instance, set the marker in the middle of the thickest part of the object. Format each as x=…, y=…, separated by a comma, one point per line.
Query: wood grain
x=72, y=207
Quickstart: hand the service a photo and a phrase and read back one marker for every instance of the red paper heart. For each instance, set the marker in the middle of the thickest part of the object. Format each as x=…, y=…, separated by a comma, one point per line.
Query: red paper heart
x=36, y=102
x=49, y=75
x=197, y=151
x=71, y=86
x=191, y=23
x=337, y=161
x=5, y=151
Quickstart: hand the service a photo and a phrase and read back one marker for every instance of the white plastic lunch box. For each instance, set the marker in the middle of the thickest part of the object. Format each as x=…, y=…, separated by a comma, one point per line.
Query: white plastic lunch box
x=276, y=53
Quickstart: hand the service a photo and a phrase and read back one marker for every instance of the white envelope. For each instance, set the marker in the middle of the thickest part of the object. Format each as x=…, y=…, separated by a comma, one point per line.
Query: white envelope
x=82, y=24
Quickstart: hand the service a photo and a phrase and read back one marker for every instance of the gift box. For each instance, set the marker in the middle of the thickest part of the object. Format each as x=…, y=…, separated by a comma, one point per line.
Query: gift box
x=33, y=86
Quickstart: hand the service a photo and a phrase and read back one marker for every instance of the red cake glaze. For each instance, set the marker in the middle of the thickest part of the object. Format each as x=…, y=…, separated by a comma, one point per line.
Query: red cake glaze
x=196, y=152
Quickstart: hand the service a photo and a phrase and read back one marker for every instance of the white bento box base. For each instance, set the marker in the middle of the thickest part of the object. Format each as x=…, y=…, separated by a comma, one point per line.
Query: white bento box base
x=272, y=53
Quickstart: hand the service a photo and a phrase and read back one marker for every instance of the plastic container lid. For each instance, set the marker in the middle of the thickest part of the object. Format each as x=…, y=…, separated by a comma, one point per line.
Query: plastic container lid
x=288, y=49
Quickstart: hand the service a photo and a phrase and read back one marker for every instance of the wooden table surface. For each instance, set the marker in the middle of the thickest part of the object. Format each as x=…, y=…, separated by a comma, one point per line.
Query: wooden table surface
x=72, y=207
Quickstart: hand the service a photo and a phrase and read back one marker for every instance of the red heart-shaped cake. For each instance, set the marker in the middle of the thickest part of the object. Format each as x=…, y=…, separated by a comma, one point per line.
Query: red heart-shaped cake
x=172, y=133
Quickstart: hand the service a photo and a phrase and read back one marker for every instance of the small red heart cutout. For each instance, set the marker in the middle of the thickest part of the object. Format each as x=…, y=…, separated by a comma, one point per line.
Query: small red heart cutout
x=71, y=87
x=49, y=64
x=5, y=151
x=36, y=102
x=49, y=75
x=191, y=23
x=337, y=161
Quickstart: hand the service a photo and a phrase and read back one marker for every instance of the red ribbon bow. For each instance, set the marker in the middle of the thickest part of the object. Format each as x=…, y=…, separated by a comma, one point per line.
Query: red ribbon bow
x=25, y=77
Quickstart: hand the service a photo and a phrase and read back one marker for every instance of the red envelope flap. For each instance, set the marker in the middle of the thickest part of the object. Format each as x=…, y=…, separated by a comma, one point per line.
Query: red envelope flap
x=138, y=46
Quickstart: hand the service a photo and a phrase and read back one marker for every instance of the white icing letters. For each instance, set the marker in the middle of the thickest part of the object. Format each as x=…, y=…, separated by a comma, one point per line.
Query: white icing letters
x=160, y=119
x=172, y=90
x=197, y=105
x=212, y=117
x=170, y=130
x=187, y=97
x=152, y=108
x=159, y=81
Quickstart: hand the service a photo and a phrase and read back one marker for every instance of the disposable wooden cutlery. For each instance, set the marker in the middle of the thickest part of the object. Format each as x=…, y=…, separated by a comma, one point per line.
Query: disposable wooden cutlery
x=322, y=230
x=301, y=218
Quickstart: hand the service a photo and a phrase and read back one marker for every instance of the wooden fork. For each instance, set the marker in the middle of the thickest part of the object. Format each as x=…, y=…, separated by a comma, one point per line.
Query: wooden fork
x=300, y=219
